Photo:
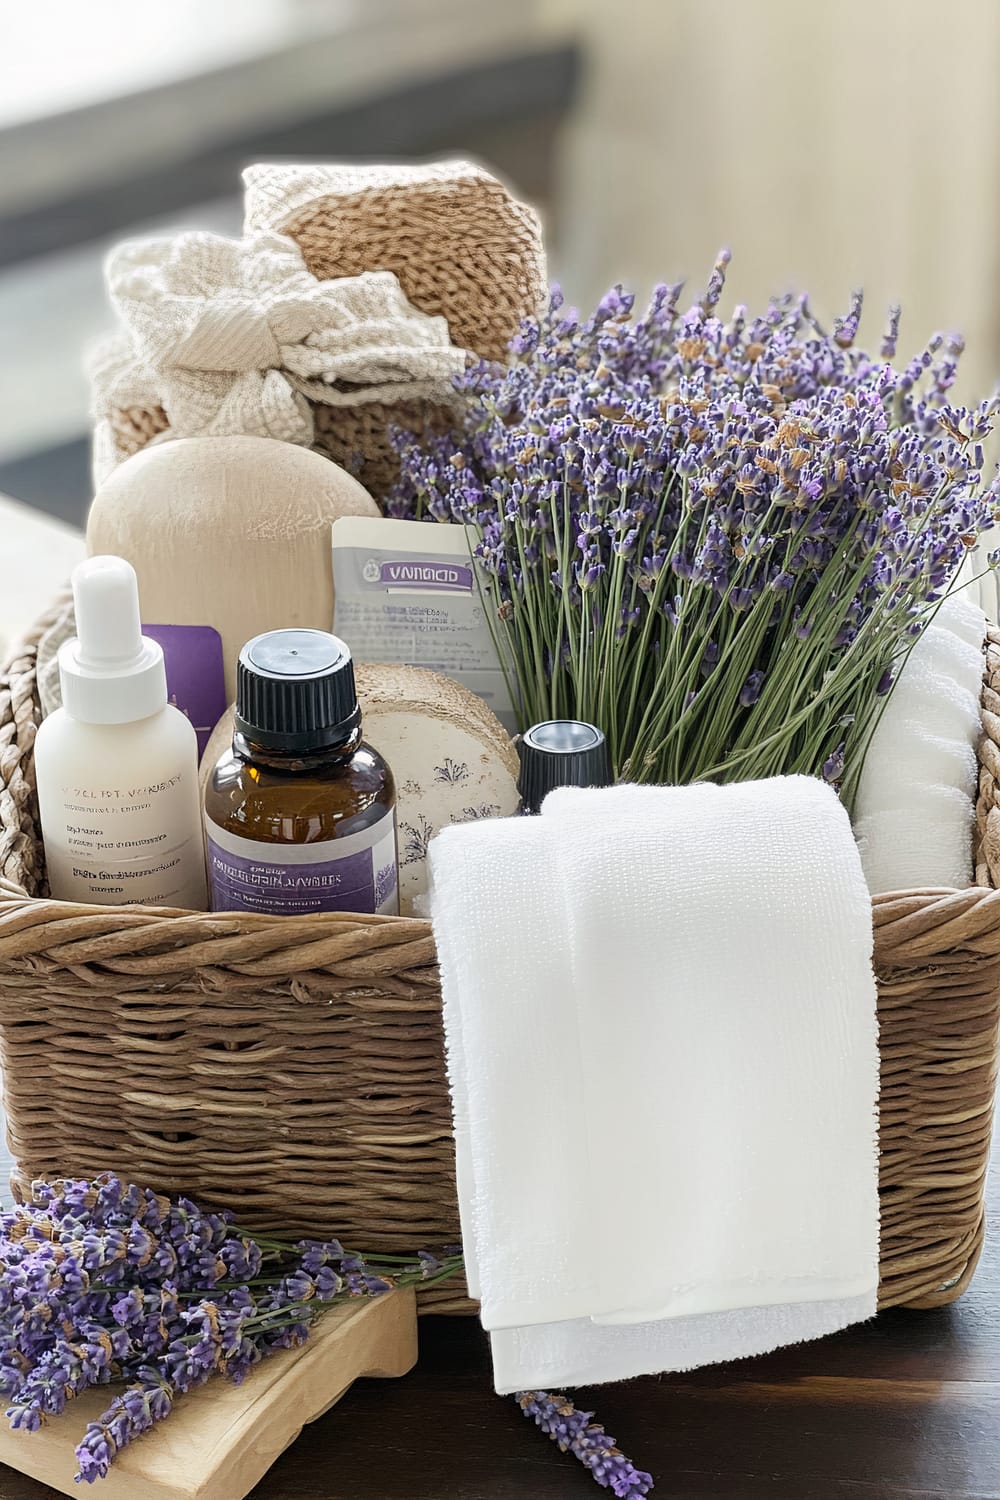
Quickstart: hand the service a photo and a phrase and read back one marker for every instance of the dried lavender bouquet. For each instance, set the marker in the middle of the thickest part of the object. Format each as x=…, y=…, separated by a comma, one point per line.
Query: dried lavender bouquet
x=105, y=1282
x=715, y=539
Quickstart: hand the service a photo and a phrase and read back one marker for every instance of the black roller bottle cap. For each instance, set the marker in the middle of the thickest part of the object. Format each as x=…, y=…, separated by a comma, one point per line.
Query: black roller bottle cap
x=295, y=691
x=560, y=752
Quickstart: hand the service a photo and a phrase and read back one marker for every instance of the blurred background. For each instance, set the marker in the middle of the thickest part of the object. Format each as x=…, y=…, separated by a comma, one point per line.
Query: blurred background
x=830, y=146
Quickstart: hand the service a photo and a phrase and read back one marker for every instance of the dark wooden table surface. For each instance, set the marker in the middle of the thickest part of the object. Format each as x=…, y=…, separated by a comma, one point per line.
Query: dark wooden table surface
x=904, y=1408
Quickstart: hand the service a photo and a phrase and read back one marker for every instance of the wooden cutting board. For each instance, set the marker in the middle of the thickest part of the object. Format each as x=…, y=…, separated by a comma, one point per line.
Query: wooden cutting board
x=220, y=1440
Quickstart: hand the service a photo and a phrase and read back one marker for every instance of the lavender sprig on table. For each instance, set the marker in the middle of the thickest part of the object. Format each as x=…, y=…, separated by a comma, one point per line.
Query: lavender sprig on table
x=716, y=539
x=102, y=1281
x=576, y=1432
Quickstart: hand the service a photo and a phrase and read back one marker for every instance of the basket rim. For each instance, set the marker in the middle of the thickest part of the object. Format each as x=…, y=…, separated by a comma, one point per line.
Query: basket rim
x=911, y=926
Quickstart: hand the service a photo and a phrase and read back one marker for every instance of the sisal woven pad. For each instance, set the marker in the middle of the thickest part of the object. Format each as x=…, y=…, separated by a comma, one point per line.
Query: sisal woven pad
x=459, y=243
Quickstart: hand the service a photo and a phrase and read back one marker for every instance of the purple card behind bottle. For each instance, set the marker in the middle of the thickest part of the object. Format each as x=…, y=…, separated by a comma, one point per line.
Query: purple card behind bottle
x=196, y=673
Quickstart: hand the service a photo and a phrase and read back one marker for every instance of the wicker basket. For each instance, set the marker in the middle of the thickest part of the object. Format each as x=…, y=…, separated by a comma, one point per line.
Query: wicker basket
x=292, y=1067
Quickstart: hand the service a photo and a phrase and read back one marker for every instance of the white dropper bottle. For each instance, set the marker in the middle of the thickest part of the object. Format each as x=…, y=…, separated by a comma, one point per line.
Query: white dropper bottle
x=117, y=766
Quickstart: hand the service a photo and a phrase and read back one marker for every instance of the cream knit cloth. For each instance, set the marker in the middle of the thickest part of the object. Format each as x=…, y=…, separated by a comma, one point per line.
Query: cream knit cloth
x=233, y=336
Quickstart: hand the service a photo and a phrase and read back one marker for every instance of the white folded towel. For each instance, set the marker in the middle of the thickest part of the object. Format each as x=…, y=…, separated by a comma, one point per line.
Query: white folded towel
x=583, y=1352
x=660, y=1017
x=928, y=761
x=511, y=1032
x=963, y=617
x=902, y=850
x=914, y=812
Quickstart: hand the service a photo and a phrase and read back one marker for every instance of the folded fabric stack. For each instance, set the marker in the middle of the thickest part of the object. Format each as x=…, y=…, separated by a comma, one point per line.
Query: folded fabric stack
x=660, y=1020
x=915, y=809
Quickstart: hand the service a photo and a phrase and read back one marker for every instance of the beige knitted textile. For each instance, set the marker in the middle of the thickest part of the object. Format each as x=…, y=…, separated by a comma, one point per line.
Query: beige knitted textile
x=462, y=250
x=239, y=337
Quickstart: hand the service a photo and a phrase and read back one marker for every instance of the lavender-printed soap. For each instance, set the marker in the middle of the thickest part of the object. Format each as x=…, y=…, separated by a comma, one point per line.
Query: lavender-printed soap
x=451, y=758
x=450, y=755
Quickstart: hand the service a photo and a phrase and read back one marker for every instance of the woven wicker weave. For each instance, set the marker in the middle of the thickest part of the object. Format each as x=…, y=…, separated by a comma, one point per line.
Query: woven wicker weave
x=292, y=1068
x=356, y=437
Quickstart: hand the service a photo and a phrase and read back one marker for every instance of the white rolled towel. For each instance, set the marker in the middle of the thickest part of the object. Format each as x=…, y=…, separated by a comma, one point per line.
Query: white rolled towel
x=930, y=761
x=963, y=617
x=901, y=851
x=938, y=687
x=914, y=812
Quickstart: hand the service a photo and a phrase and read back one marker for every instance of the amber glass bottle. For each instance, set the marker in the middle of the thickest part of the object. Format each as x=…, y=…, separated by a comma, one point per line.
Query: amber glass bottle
x=300, y=812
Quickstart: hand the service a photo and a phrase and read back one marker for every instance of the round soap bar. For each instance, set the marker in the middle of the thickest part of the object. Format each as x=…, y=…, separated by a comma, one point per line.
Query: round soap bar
x=231, y=532
x=450, y=755
x=451, y=758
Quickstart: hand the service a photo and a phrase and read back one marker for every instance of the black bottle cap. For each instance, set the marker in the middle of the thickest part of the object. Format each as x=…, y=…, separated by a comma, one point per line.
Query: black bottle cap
x=295, y=691
x=560, y=752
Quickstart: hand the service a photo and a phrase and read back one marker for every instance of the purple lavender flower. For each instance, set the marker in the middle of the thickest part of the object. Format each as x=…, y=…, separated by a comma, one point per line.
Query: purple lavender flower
x=298, y=1287
x=716, y=281
x=130, y=1415
x=576, y=1432
x=759, y=483
x=751, y=689
x=242, y=1259
x=833, y=766
x=95, y=1453
x=316, y=1253
x=328, y=1283
x=888, y=350
x=238, y=1365
x=845, y=330
x=103, y=1281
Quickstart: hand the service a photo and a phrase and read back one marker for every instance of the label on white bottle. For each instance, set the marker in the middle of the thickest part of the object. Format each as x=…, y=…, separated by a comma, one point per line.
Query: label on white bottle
x=120, y=845
x=355, y=873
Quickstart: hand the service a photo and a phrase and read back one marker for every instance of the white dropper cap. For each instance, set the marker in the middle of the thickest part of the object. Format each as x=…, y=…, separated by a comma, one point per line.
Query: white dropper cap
x=110, y=673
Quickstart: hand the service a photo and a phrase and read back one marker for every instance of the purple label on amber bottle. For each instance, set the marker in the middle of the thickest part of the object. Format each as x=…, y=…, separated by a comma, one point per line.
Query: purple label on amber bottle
x=240, y=884
x=356, y=873
x=196, y=673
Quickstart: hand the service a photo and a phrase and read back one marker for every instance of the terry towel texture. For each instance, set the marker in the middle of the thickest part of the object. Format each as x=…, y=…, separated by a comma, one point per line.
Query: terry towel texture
x=660, y=1019
x=914, y=814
